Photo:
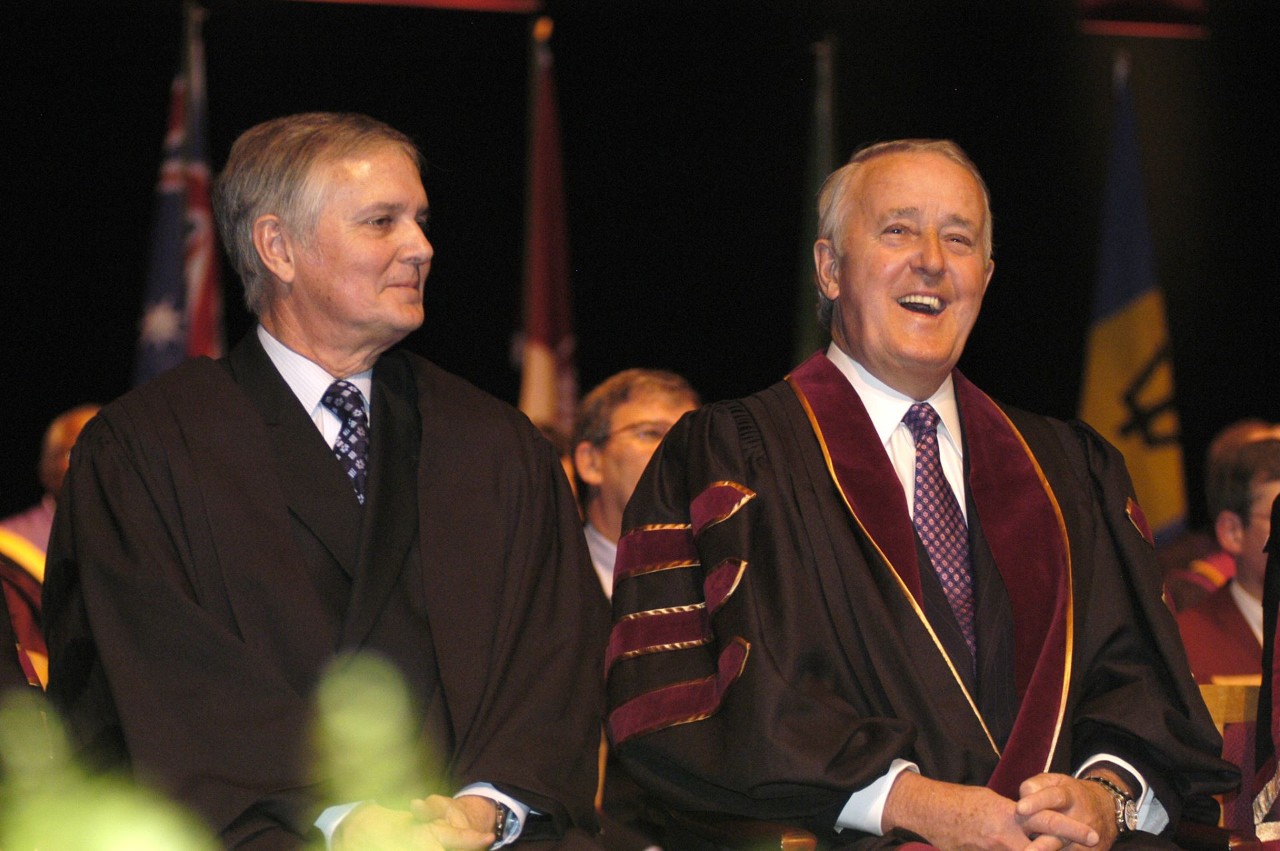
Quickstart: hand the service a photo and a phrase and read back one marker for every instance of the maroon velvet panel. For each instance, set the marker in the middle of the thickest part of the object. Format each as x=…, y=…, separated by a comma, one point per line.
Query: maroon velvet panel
x=652, y=548
x=718, y=503
x=721, y=582
x=679, y=703
x=656, y=631
x=865, y=478
x=1138, y=518
x=1023, y=529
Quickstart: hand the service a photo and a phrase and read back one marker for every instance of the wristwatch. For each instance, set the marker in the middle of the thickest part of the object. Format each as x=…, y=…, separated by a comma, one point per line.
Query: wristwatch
x=1126, y=807
x=505, y=823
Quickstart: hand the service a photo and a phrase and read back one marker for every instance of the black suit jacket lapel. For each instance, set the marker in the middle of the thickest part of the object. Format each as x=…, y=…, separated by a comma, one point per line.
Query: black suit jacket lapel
x=314, y=486
x=391, y=500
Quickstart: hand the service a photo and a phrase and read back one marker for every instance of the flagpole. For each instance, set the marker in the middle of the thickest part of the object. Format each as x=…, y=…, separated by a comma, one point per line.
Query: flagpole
x=548, y=385
x=808, y=336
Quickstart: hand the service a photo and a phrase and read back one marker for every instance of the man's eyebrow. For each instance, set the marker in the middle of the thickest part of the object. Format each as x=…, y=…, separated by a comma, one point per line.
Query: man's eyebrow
x=379, y=207
x=388, y=207
x=963, y=221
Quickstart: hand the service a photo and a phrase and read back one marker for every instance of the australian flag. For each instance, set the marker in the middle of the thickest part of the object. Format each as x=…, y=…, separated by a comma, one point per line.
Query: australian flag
x=182, y=315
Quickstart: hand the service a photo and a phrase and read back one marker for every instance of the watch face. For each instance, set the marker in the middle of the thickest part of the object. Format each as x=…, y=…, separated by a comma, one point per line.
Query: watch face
x=1130, y=815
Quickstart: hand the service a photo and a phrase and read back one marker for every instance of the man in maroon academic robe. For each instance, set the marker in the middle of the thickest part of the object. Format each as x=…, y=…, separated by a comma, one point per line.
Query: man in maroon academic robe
x=784, y=646
x=1223, y=632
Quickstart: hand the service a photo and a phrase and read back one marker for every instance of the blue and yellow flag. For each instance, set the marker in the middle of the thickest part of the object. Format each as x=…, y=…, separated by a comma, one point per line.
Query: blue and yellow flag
x=1128, y=377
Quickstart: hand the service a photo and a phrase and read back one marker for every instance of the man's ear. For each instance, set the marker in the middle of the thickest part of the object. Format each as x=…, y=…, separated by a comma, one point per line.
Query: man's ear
x=275, y=247
x=586, y=460
x=826, y=264
x=1229, y=530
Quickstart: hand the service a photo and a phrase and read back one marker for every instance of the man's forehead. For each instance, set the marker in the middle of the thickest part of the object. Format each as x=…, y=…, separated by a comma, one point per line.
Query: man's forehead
x=908, y=183
x=647, y=400
x=354, y=177
x=1264, y=488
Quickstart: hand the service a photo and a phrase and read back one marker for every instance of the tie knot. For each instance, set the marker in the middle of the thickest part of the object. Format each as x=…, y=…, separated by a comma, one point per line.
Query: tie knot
x=344, y=399
x=922, y=419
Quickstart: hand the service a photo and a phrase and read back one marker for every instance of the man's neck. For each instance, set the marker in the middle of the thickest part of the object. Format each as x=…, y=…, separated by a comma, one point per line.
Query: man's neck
x=338, y=361
x=607, y=522
x=1245, y=584
x=915, y=385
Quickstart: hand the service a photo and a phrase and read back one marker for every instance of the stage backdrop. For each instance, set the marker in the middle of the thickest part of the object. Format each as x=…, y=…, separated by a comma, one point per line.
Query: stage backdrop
x=685, y=132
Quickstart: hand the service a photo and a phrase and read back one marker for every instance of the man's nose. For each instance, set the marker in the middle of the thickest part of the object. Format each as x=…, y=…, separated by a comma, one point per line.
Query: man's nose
x=929, y=260
x=419, y=250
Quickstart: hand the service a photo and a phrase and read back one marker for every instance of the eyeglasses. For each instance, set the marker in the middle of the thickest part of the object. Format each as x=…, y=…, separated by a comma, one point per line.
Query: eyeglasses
x=645, y=431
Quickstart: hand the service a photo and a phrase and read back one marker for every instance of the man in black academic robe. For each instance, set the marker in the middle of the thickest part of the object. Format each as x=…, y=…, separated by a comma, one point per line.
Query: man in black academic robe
x=782, y=646
x=213, y=556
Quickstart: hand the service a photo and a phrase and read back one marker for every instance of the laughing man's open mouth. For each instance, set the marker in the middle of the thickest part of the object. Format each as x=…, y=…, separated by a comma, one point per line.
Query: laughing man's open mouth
x=930, y=305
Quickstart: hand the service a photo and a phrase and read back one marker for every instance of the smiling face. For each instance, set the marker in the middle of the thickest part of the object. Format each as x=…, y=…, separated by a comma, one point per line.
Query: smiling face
x=909, y=270
x=353, y=287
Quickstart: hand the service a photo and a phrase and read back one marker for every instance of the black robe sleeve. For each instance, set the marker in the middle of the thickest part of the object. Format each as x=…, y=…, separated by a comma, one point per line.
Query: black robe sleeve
x=148, y=669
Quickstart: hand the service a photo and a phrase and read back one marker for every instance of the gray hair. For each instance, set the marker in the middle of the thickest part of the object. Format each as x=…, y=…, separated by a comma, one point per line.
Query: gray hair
x=833, y=199
x=271, y=170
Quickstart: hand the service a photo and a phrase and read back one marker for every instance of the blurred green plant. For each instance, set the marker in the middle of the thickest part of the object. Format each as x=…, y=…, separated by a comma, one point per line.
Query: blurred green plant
x=48, y=803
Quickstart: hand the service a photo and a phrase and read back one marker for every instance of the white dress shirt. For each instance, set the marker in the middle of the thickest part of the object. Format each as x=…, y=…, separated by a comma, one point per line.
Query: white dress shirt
x=603, y=555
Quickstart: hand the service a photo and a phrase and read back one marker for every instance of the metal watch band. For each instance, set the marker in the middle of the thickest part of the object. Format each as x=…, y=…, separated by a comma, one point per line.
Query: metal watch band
x=501, y=814
x=1126, y=808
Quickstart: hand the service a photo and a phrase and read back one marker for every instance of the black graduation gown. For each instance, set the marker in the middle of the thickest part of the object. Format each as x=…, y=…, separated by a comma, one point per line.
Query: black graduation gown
x=209, y=560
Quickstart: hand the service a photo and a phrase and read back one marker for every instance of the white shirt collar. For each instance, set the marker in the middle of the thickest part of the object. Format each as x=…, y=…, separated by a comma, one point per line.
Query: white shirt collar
x=887, y=406
x=307, y=379
x=603, y=555
x=1250, y=608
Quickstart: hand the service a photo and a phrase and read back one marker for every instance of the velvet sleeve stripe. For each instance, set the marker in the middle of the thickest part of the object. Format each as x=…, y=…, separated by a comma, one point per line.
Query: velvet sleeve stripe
x=721, y=582
x=649, y=549
x=1139, y=520
x=657, y=631
x=681, y=703
x=719, y=502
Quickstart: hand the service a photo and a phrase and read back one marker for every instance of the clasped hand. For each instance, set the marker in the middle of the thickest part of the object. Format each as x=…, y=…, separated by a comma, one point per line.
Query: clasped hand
x=435, y=823
x=1053, y=811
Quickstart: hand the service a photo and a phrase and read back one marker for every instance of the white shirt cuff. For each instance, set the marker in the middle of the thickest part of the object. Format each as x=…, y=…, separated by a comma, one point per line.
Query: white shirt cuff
x=330, y=819
x=865, y=808
x=521, y=812
x=1152, y=816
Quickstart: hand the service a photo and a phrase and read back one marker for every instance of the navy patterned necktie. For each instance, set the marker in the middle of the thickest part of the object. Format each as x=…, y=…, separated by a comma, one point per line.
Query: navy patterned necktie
x=939, y=522
x=352, y=445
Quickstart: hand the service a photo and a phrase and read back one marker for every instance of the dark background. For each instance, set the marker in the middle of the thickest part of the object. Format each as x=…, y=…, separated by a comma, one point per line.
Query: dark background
x=685, y=128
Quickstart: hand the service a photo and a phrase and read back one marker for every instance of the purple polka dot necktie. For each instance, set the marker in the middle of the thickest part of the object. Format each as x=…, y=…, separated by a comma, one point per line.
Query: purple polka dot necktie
x=938, y=520
x=352, y=445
